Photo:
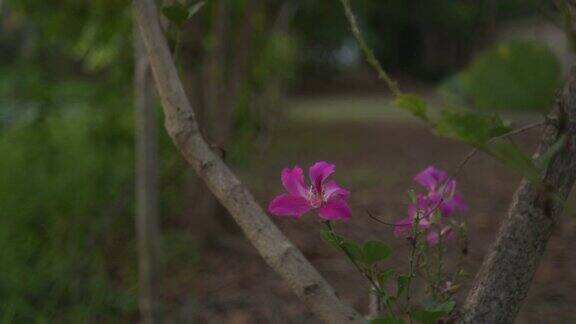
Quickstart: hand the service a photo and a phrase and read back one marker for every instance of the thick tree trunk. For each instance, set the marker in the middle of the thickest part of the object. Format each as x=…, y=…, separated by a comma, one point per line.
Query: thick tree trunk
x=147, y=236
x=505, y=276
x=182, y=127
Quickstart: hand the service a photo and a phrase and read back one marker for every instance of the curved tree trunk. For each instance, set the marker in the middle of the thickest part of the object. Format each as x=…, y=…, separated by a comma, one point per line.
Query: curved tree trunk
x=180, y=122
x=506, y=274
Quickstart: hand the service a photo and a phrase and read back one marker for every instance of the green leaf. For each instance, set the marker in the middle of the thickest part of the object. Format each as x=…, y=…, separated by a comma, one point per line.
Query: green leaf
x=349, y=247
x=375, y=251
x=511, y=156
x=176, y=14
x=387, y=320
x=431, y=305
x=402, y=282
x=370, y=253
x=428, y=316
x=433, y=311
x=354, y=251
x=413, y=104
x=384, y=276
x=516, y=75
x=471, y=127
x=482, y=130
x=412, y=195
x=331, y=238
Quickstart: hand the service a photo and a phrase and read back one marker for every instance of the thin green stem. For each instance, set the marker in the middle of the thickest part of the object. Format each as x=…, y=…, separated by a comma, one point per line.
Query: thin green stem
x=358, y=267
x=427, y=264
x=374, y=285
x=389, y=307
x=440, y=256
x=415, y=235
x=463, y=242
x=368, y=53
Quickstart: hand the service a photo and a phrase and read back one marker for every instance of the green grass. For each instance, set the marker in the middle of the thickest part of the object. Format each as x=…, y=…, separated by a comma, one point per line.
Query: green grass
x=346, y=108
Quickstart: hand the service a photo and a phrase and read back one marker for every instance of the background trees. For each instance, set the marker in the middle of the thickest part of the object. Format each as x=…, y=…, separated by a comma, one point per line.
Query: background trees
x=66, y=123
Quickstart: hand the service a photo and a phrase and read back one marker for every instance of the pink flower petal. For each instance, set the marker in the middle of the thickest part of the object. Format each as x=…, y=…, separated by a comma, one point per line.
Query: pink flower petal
x=319, y=172
x=448, y=189
x=459, y=203
x=447, y=208
x=412, y=211
x=289, y=205
x=331, y=189
x=447, y=234
x=293, y=181
x=426, y=205
x=402, y=226
x=335, y=209
x=432, y=237
x=405, y=225
x=430, y=178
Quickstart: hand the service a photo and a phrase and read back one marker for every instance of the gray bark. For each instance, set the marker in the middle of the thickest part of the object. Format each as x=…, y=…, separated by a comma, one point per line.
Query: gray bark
x=505, y=276
x=180, y=122
x=147, y=232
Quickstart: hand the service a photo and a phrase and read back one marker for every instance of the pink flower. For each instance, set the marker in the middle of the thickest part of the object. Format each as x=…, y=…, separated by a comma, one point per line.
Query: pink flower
x=324, y=195
x=424, y=207
x=441, y=191
x=441, y=198
x=447, y=234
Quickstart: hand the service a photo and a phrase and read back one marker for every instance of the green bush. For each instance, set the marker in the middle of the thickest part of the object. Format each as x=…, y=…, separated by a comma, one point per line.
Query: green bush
x=58, y=179
x=516, y=76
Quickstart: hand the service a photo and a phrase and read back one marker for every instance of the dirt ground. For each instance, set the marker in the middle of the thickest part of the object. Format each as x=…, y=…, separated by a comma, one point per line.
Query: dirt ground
x=376, y=161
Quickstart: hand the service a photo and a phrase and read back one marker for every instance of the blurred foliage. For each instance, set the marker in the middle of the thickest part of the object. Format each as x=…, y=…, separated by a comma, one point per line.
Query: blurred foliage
x=517, y=76
x=66, y=173
x=485, y=132
x=98, y=32
x=471, y=127
x=66, y=134
x=404, y=34
x=177, y=13
x=57, y=176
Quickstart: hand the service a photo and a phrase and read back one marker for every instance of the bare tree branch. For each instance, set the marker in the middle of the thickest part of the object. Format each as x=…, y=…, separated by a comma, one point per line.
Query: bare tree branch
x=505, y=276
x=180, y=122
x=147, y=228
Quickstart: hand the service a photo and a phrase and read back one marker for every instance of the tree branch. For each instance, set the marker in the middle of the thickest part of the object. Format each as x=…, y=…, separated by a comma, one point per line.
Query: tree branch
x=505, y=276
x=180, y=122
x=146, y=186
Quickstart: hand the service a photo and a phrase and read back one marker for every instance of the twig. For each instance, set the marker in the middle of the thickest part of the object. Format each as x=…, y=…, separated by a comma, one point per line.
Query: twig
x=368, y=53
x=379, y=220
x=356, y=265
x=375, y=286
x=415, y=234
x=475, y=150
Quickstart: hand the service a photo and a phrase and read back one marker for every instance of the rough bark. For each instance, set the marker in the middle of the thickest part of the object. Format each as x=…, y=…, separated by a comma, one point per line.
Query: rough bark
x=180, y=122
x=505, y=276
x=147, y=236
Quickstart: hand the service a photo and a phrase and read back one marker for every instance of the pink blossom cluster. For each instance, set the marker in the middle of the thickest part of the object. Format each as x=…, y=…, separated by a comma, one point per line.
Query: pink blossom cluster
x=433, y=208
x=430, y=209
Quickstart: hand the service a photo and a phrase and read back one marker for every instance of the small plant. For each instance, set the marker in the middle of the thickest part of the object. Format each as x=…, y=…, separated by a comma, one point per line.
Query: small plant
x=429, y=227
